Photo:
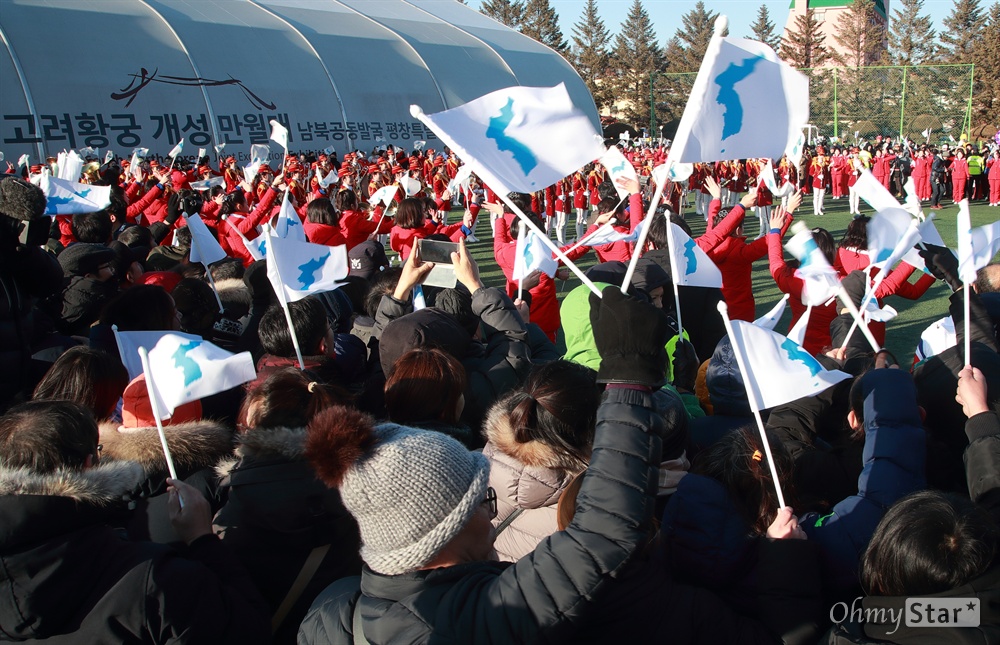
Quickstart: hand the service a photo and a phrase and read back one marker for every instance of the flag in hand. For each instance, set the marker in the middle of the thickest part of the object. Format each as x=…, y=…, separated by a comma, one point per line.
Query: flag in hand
x=410, y=186
x=69, y=165
x=872, y=191
x=279, y=134
x=767, y=174
x=745, y=102
x=204, y=247
x=206, y=184
x=176, y=150
x=519, y=138
x=297, y=269
x=531, y=254
x=885, y=231
x=185, y=370
x=129, y=343
x=618, y=166
x=288, y=225
x=692, y=266
x=383, y=195
x=69, y=197
x=976, y=246
x=672, y=171
x=821, y=279
x=779, y=369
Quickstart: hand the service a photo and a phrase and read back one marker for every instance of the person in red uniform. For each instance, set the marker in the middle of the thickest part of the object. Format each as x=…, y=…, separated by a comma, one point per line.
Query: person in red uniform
x=355, y=225
x=594, y=179
x=959, y=175
x=412, y=223
x=838, y=173
x=818, y=170
x=579, y=188
x=993, y=170
x=231, y=173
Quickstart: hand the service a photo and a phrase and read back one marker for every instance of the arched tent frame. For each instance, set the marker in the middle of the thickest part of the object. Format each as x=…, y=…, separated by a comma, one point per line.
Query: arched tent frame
x=339, y=74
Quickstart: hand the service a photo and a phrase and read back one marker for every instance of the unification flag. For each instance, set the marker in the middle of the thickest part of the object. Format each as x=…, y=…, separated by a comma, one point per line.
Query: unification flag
x=297, y=269
x=767, y=173
x=206, y=184
x=770, y=320
x=288, y=225
x=461, y=178
x=331, y=178
x=23, y=161
x=64, y=197
x=519, y=138
x=530, y=254
x=279, y=134
x=410, y=186
x=693, y=266
x=176, y=150
x=383, y=195
x=976, y=246
x=795, y=149
x=185, y=370
x=745, y=102
x=204, y=247
x=618, y=166
x=779, y=369
x=872, y=191
x=821, y=279
x=129, y=343
x=70, y=166
x=885, y=230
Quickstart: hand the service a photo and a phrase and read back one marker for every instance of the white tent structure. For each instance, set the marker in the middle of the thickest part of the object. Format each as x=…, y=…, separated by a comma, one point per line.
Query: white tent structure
x=340, y=74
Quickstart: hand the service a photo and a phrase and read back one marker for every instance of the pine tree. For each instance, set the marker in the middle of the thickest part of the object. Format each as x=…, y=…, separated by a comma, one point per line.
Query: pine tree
x=541, y=22
x=805, y=46
x=591, y=56
x=686, y=49
x=962, y=31
x=636, y=57
x=861, y=36
x=763, y=29
x=508, y=12
x=911, y=37
x=986, y=103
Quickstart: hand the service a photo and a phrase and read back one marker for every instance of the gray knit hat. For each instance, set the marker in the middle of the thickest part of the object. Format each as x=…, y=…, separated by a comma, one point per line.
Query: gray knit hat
x=410, y=490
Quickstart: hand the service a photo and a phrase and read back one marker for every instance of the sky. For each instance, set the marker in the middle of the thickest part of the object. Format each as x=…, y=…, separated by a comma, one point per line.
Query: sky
x=666, y=14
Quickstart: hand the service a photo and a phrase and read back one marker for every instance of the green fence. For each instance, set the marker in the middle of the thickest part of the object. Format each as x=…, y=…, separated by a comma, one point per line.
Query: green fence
x=859, y=102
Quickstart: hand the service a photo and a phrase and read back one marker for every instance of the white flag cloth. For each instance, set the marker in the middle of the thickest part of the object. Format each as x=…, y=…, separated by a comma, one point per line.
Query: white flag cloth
x=797, y=334
x=976, y=246
x=410, y=186
x=881, y=314
x=930, y=235
x=279, y=134
x=618, y=166
x=187, y=370
x=129, y=343
x=23, y=161
x=779, y=369
x=69, y=197
x=461, y=178
x=297, y=269
x=872, y=191
x=821, y=279
x=206, y=184
x=675, y=172
x=204, y=247
x=201, y=154
x=70, y=165
x=219, y=148
x=383, y=195
x=694, y=268
x=530, y=254
x=745, y=102
x=419, y=145
x=519, y=138
x=770, y=320
x=176, y=150
x=331, y=178
x=134, y=166
x=288, y=225
x=795, y=149
x=937, y=338
x=885, y=230
x=767, y=173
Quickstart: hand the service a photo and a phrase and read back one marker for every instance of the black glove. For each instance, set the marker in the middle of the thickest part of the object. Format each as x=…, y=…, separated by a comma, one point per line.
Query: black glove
x=686, y=365
x=631, y=336
x=942, y=264
x=173, y=209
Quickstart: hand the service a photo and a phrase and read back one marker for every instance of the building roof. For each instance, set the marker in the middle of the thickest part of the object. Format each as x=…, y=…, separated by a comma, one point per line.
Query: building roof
x=839, y=4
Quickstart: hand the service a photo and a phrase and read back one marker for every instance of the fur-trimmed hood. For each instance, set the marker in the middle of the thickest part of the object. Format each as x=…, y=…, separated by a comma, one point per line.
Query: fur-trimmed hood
x=235, y=296
x=106, y=484
x=193, y=445
x=265, y=443
x=500, y=433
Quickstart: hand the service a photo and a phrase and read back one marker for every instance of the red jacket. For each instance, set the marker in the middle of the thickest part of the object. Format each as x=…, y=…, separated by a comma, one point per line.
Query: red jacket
x=247, y=225
x=401, y=240
x=817, y=335
x=356, y=228
x=544, y=310
x=324, y=234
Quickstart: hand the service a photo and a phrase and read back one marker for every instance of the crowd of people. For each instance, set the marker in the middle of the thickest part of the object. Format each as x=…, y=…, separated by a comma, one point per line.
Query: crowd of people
x=438, y=468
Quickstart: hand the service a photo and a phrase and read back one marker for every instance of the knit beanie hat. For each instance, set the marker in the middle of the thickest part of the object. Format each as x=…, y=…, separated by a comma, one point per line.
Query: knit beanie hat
x=410, y=490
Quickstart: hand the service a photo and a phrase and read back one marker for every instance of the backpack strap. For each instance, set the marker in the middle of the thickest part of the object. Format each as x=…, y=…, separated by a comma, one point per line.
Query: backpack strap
x=356, y=629
x=309, y=568
x=507, y=521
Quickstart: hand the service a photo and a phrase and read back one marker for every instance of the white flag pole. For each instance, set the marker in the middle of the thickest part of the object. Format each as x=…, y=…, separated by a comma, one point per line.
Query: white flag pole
x=151, y=391
x=641, y=242
x=741, y=362
x=673, y=273
x=858, y=321
x=968, y=339
x=520, y=235
x=283, y=300
x=211, y=281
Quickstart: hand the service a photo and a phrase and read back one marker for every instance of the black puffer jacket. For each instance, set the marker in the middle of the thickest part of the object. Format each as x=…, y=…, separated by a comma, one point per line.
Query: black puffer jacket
x=80, y=304
x=67, y=577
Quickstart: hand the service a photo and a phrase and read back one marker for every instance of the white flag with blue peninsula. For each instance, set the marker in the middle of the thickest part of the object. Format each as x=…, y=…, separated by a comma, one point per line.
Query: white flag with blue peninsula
x=204, y=247
x=519, y=138
x=176, y=150
x=297, y=269
x=976, y=246
x=185, y=370
x=618, y=166
x=288, y=225
x=821, y=281
x=206, y=184
x=64, y=197
x=780, y=370
x=129, y=343
x=693, y=267
x=530, y=254
x=745, y=102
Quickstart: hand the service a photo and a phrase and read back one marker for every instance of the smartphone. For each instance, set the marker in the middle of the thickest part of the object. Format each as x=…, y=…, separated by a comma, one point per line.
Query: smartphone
x=443, y=273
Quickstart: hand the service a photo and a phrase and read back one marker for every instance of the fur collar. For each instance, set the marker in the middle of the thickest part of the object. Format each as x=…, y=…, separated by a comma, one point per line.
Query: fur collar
x=193, y=445
x=234, y=291
x=106, y=484
x=500, y=433
x=287, y=443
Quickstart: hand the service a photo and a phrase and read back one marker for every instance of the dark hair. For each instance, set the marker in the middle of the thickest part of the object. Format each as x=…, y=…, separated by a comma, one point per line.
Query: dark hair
x=515, y=223
x=346, y=200
x=308, y=317
x=182, y=238
x=94, y=228
x=44, y=436
x=825, y=243
x=458, y=304
x=287, y=398
x=738, y=462
x=927, y=543
x=558, y=407
x=232, y=202
x=321, y=211
x=227, y=269
x=86, y=376
x=382, y=283
x=144, y=307
x=410, y=213
x=195, y=301
x=856, y=235
x=134, y=236
x=425, y=385
x=521, y=200
x=988, y=279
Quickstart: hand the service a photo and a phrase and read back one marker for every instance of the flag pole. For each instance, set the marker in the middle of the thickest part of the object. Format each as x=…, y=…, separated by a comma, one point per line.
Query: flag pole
x=673, y=272
x=520, y=235
x=641, y=242
x=153, y=400
x=754, y=405
x=273, y=260
x=968, y=339
x=211, y=281
x=858, y=321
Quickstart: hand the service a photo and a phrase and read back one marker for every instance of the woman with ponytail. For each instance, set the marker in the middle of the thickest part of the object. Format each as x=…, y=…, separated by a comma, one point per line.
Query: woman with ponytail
x=538, y=439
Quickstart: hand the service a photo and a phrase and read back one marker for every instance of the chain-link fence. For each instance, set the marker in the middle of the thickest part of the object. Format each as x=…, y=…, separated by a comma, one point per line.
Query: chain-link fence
x=858, y=102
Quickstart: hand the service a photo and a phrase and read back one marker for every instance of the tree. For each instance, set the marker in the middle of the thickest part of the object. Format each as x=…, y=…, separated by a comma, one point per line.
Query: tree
x=686, y=49
x=763, y=29
x=861, y=35
x=541, y=22
x=963, y=30
x=591, y=56
x=636, y=58
x=508, y=12
x=805, y=46
x=911, y=38
x=986, y=100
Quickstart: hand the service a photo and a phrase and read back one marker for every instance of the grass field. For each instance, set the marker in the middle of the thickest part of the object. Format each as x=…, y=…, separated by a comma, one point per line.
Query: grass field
x=903, y=332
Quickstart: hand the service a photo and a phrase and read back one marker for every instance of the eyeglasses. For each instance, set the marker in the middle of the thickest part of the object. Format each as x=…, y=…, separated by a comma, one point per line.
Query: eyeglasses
x=491, y=501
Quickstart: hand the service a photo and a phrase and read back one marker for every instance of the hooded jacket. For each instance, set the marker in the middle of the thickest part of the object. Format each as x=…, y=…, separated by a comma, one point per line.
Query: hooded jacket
x=67, y=577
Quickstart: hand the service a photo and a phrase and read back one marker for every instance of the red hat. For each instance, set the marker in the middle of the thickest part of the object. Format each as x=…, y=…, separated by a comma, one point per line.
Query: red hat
x=373, y=168
x=35, y=169
x=179, y=180
x=137, y=412
x=264, y=169
x=203, y=168
x=230, y=159
x=413, y=164
x=438, y=161
x=323, y=158
x=396, y=169
x=348, y=156
x=153, y=163
x=294, y=168
x=344, y=171
x=166, y=279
